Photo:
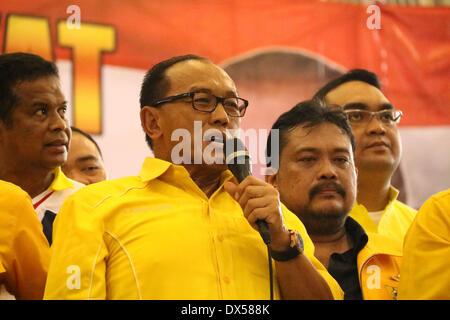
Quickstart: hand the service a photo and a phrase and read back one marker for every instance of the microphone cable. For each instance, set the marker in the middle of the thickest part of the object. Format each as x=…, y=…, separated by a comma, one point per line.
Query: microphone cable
x=269, y=255
x=237, y=159
x=265, y=235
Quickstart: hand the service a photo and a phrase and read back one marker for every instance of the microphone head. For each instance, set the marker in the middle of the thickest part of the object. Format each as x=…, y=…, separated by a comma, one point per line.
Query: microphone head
x=237, y=158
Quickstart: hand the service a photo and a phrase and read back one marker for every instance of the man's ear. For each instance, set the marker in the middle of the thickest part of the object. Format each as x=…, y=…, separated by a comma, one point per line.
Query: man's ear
x=150, y=122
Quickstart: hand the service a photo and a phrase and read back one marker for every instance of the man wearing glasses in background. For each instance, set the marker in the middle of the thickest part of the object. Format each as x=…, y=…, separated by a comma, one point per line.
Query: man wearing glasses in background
x=183, y=231
x=378, y=151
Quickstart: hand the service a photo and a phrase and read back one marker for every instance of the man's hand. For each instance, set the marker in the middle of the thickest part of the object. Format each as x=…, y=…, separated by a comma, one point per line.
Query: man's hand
x=261, y=201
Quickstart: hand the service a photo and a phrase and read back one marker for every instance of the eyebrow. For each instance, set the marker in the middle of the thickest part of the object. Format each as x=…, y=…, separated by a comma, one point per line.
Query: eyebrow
x=41, y=104
x=343, y=150
x=86, y=158
x=363, y=106
x=199, y=89
x=335, y=150
x=306, y=150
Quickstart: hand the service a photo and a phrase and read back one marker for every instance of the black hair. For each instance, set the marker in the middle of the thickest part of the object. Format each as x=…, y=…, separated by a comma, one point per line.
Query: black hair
x=155, y=85
x=352, y=75
x=87, y=135
x=15, y=68
x=308, y=113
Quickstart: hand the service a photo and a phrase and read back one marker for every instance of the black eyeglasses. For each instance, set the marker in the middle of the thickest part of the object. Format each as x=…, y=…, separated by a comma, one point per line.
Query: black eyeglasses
x=207, y=102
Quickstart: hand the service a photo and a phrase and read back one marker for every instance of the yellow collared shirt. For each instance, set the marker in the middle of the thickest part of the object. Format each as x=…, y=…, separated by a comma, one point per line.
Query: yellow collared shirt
x=425, y=272
x=379, y=264
x=60, y=188
x=24, y=251
x=394, y=222
x=157, y=236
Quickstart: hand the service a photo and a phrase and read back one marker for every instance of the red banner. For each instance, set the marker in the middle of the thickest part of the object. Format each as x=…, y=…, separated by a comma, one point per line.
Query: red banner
x=279, y=52
x=410, y=52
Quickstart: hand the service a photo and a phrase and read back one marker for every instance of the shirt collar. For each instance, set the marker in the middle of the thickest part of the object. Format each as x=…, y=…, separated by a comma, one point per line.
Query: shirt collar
x=154, y=168
x=393, y=194
x=60, y=181
x=357, y=233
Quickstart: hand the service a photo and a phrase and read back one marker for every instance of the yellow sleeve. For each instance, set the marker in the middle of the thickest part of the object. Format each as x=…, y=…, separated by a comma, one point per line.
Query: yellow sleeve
x=425, y=273
x=293, y=222
x=24, y=250
x=77, y=264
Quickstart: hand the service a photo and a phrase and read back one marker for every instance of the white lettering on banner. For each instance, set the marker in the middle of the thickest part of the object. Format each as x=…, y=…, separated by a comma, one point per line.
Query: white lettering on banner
x=374, y=281
x=74, y=280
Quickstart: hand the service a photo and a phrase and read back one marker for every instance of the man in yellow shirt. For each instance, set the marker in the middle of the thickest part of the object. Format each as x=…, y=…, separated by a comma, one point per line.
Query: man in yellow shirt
x=316, y=178
x=378, y=151
x=24, y=251
x=182, y=231
x=425, y=273
x=34, y=133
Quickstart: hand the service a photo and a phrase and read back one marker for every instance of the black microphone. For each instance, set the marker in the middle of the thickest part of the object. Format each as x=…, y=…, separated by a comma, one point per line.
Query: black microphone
x=237, y=159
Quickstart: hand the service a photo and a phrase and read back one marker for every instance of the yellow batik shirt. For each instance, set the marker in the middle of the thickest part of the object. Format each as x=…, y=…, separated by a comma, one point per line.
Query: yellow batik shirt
x=157, y=236
x=425, y=272
x=394, y=222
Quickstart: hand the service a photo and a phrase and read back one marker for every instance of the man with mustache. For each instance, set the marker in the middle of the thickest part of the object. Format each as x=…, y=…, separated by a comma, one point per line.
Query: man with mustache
x=316, y=179
x=34, y=133
x=378, y=151
x=183, y=231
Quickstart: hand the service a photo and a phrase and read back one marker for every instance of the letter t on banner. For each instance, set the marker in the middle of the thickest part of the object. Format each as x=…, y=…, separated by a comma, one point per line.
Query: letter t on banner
x=88, y=42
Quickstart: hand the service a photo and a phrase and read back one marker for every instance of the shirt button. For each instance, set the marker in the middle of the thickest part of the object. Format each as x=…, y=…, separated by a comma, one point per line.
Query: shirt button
x=226, y=279
x=220, y=237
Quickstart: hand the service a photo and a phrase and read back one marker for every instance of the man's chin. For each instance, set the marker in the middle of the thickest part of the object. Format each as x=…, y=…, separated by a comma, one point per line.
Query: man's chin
x=55, y=162
x=210, y=166
x=373, y=160
x=323, y=221
x=328, y=208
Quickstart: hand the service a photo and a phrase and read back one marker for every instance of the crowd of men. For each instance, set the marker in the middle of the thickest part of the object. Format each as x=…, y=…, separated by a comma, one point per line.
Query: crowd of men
x=191, y=230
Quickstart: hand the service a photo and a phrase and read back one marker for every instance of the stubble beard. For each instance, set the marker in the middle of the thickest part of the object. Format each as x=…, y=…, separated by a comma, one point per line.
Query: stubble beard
x=323, y=222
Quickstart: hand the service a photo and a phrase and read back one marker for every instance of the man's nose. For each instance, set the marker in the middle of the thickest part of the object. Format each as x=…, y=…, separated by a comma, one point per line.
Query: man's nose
x=57, y=122
x=327, y=171
x=375, y=126
x=219, y=116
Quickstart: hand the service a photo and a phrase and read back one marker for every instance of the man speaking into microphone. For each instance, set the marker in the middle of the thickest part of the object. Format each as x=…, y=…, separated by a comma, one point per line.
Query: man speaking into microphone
x=184, y=228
